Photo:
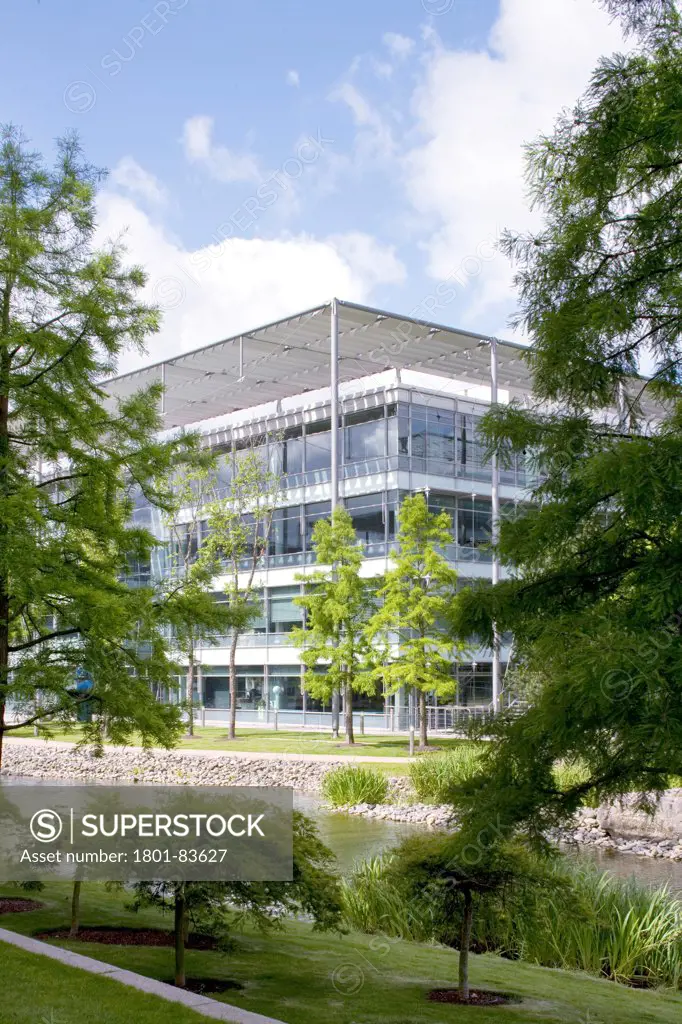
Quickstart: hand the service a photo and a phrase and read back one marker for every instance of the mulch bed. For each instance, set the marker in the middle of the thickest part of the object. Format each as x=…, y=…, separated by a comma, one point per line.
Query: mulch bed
x=477, y=997
x=16, y=905
x=208, y=986
x=130, y=937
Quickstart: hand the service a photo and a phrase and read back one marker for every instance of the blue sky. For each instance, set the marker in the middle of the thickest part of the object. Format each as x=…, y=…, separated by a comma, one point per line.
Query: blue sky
x=265, y=156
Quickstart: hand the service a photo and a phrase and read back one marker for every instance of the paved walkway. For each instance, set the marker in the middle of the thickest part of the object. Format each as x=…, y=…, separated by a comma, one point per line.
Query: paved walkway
x=208, y=1007
x=252, y=755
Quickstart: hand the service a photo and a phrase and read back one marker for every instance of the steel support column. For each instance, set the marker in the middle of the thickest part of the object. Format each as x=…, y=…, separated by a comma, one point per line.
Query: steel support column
x=495, y=490
x=334, y=383
x=335, y=455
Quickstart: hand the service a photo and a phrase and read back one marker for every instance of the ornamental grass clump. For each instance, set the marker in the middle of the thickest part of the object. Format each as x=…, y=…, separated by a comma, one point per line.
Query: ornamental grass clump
x=374, y=904
x=354, y=785
x=436, y=777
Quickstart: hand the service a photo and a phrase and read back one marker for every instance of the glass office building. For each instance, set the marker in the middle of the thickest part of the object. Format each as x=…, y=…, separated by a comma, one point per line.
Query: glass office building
x=361, y=409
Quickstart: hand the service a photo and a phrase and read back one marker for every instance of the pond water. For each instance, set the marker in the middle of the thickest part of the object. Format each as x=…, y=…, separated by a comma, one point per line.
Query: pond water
x=354, y=838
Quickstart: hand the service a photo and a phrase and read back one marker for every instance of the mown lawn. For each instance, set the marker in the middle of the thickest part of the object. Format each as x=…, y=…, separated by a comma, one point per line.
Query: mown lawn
x=36, y=990
x=302, y=977
x=287, y=741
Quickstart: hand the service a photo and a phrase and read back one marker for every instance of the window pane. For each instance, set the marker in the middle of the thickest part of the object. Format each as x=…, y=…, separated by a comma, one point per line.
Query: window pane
x=403, y=430
x=284, y=614
x=285, y=535
x=419, y=428
x=285, y=687
x=367, y=513
x=441, y=441
x=293, y=456
x=313, y=513
x=224, y=471
x=366, y=441
x=318, y=446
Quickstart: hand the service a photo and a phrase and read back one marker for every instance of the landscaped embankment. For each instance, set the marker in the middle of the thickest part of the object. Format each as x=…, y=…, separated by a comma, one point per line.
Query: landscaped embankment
x=617, y=828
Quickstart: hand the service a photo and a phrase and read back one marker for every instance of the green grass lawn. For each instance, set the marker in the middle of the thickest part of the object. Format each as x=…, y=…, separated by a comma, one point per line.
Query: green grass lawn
x=36, y=990
x=302, y=977
x=287, y=741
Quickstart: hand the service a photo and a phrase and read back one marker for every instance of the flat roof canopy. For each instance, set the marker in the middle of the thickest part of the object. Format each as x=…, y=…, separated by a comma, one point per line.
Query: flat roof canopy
x=292, y=356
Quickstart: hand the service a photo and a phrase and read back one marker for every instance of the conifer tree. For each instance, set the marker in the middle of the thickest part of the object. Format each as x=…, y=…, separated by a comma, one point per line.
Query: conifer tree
x=595, y=598
x=409, y=633
x=338, y=604
x=71, y=460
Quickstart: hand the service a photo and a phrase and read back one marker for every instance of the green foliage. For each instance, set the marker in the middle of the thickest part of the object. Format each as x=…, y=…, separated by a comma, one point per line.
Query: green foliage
x=558, y=914
x=71, y=463
x=569, y=775
x=239, y=527
x=436, y=778
x=338, y=603
x=594, y=922
x=372, y=903
x=594, y=603
x=221, y=907
x=354, y=785
x=189, y=583
x=409, y=633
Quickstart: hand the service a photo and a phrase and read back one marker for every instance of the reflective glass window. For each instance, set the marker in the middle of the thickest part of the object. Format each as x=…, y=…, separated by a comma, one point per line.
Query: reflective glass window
x=318, y=446
x=367, y=513
x=284, y=614
x=365, y=435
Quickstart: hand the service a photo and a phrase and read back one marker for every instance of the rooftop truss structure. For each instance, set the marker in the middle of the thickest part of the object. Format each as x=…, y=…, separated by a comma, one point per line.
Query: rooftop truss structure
x=294, y=355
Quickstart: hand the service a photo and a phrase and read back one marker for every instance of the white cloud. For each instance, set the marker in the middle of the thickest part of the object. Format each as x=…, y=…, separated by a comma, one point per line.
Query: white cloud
x=128, y=175
x=374, y=138
x=293, y=78
x=474, y=110
x=222, y=163
x=399, y=46
x=219, y=290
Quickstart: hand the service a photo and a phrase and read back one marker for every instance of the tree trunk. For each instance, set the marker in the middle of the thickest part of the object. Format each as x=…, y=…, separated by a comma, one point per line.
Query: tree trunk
x=180, y=914
x=190, y=691
x=233, y=687
x=423, y=737
x=464, y=944
x=335, y=714
x=75, y=910
x=348, y=713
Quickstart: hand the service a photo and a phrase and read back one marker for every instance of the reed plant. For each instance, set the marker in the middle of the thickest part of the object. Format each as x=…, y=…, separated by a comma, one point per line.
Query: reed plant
x=373, y=904
x=436, y=777
x=354, y=785
x=579, y=919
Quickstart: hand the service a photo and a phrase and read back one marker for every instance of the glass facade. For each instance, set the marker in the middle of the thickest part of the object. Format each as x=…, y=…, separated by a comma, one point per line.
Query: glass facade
x=432, y=438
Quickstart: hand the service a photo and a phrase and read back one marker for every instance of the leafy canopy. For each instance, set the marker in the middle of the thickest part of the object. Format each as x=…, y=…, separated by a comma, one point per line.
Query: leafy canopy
x=338, y=603
x=409, y=630
x=78, y=471
x=595, y=596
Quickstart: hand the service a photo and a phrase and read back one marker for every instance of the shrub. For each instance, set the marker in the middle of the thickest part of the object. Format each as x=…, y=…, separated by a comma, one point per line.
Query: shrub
x=573, y=917
x=374, y=904
x=573, y=773
x=354, y=785
x=435, y=777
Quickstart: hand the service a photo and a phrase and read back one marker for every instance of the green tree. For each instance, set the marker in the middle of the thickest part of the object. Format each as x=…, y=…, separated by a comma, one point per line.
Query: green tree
x=239, y=527
x=409, y=632
x=190, y=578
x=338, y=604
x=596, y=596
x=444, y=879
x=219, y=906
x=70, y=461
